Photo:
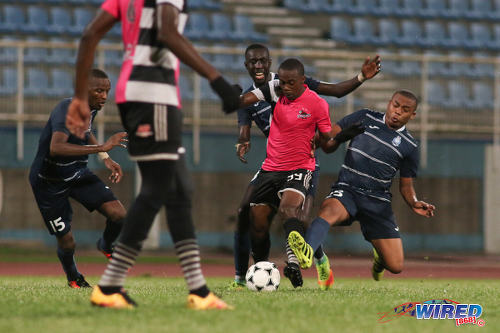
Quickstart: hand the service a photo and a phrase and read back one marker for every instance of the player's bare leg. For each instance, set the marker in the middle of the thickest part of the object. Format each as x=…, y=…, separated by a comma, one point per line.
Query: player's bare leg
x=388, y=255
x=66, y=254
x=260, y=217
x=115, y=214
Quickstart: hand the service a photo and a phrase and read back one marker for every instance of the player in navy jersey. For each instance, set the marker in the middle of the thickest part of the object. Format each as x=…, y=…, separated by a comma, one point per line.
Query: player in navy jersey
x=60, y=171
x=258, y=64
x=362, y=191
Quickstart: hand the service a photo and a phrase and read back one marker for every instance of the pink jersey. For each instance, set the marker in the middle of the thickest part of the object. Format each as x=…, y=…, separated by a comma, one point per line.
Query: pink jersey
x=150, y=71
x=293, y=125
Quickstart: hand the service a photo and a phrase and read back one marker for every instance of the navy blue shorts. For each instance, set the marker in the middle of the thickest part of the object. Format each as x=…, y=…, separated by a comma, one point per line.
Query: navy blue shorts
x=374, y=215
x=52, y=198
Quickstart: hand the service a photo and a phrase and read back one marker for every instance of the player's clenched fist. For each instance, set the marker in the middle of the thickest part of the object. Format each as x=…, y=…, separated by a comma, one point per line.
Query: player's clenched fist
x=78, y=117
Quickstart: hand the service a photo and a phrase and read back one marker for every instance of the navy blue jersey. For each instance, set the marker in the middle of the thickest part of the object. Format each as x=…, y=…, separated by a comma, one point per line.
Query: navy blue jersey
x=59, y=168
x=374, y=157
x=260, y=112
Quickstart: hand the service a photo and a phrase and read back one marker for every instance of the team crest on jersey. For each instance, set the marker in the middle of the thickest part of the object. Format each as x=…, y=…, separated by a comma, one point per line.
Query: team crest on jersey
x=396, y=141
x=143, y=131
x=303, y=114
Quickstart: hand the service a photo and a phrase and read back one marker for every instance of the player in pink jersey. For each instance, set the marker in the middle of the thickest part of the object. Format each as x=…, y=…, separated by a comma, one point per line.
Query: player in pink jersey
x=286, y=173
x=149, y=102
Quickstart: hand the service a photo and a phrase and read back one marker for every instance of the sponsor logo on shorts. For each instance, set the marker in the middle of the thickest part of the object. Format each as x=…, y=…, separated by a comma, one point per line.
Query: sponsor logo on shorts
x=462, y=314
x=143, y=131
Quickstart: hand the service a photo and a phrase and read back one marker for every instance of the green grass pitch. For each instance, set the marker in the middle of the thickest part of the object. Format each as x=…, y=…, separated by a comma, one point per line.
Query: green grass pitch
x=44, y=304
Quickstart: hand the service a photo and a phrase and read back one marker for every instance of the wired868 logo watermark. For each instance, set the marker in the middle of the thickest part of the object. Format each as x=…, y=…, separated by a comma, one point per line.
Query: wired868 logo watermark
x=437, y=309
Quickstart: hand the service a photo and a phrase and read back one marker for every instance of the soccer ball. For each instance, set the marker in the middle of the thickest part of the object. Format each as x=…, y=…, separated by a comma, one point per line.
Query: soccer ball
x=263, y=276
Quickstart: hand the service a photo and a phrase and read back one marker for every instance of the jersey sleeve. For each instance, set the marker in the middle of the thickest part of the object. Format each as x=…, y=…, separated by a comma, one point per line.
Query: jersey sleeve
x=409, y=165
x=352, y=118
x=324, y=124
x=244, y=117
x=112, y=7
x=58, y=117
x=268, y=92
x=312, y=83
x=179, y=4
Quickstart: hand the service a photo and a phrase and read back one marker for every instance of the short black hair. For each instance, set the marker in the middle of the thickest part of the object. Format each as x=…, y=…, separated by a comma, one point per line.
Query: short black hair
x=407, y=94
x=98, y=74
x=291, y=64
x=256, y=46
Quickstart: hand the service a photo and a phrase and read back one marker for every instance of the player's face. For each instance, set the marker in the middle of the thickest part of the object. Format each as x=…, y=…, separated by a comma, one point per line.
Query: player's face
x=291, y=83
x=258, y=63
x=400, y=110
x=98, y=92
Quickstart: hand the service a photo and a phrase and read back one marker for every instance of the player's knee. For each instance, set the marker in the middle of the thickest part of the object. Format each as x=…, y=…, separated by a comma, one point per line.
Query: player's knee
x=395, y=268
x=66, y=242
x=288, y=211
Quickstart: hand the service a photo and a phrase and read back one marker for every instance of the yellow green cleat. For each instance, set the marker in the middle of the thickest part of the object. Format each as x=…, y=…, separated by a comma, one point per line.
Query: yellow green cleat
x=325, y=273
x=377, y=268
x=301, y=249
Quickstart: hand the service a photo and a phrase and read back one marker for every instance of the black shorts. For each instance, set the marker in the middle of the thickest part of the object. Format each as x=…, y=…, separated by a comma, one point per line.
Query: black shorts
x=374, y=215
x=312, y=188
x=154, y=130
x=52, y=198
x=270, y=185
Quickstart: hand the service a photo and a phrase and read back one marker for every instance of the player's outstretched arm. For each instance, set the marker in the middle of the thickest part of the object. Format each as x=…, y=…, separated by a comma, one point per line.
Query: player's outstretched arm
x=243, y=145
x=408, y=192
x=369, y=69
x=168, y=16
x=78, y=116
x=331, y=141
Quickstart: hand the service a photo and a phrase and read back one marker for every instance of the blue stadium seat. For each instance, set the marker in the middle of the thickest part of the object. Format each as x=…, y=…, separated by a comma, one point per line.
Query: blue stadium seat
x=482, y=96
x=457, y=8
x=494, y=15
x=480, y=9
x=197, y=27
x=434, y=9
x=61, y=83
x=363, y=32
x=36, y=82
x=82, y=18
x=13, y=19
x=388, y=32
x=459, y=96
x=113, y=78
x=61, y=55
x=341, y=7
x=390, y=66
x=434, y=34
x=482, y=70
x=411, y=34
x=9, y=81
x=408, y=67
x=244, y=81
x=458, y=35
x=340, y=29
x=457, y=68
x=436, y=68
x=38, y=20
x=244, y=26
x=495, y=43
x=35, y=55
x=365, y=7
x=436, y=95
x=314, y=6
x=388, y=7
x=410, y=8
x=204, y=4
x=60, y=20
x=221, y=27
x=8, y=54
x=480, y=36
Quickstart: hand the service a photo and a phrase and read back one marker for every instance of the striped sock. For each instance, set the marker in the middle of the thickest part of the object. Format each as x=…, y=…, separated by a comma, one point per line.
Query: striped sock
x=122, y=260
x=188, y=253
x=291, y=255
